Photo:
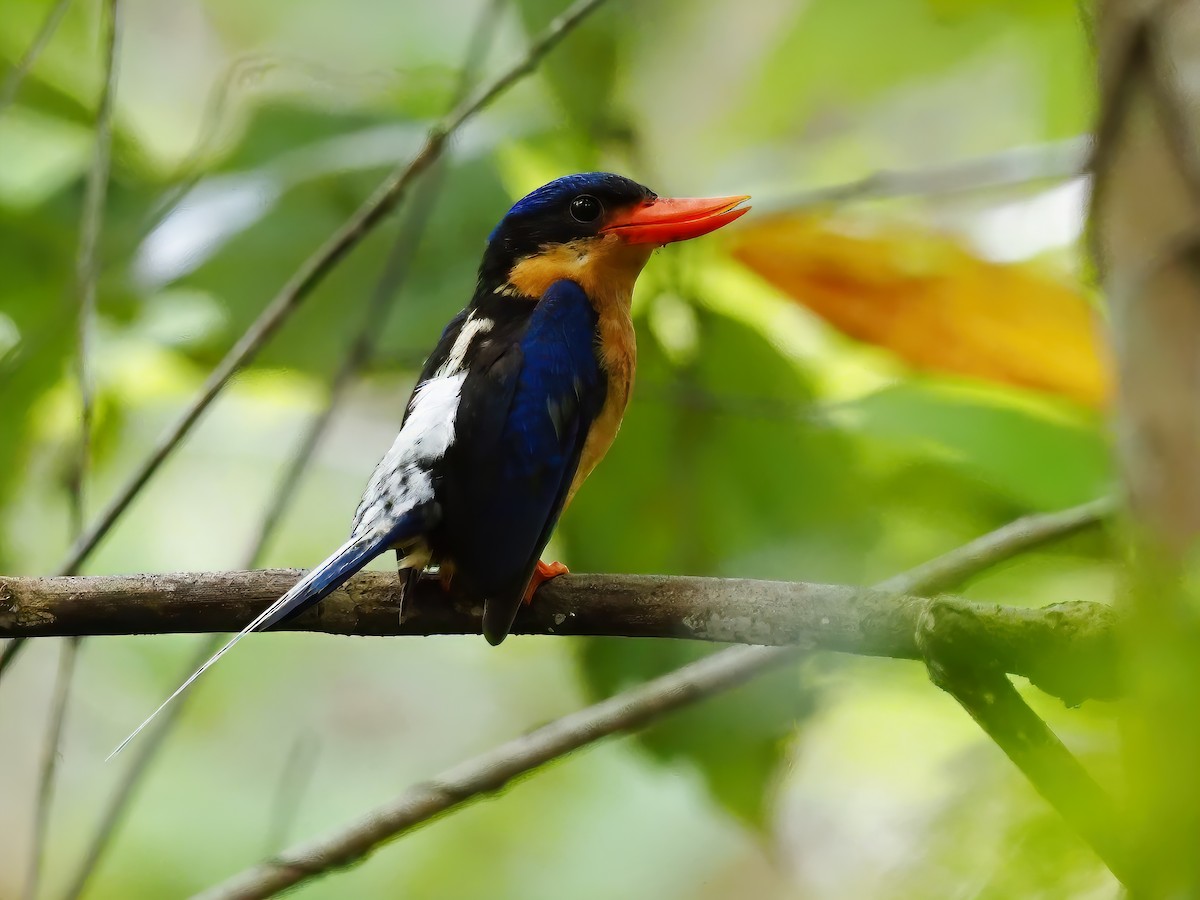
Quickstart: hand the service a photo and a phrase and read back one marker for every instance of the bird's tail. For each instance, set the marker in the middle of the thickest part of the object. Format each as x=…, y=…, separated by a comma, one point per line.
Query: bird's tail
x=312, y=588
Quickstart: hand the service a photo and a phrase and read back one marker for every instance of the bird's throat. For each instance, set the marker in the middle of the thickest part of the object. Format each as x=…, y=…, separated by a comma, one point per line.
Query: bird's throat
x=605, y=267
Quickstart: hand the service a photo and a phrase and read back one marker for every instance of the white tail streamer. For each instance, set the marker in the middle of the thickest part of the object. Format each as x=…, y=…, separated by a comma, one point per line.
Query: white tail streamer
x=262, y=617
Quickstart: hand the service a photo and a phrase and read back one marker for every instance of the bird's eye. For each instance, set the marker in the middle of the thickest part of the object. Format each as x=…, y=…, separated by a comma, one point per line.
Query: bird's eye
x=585, y=208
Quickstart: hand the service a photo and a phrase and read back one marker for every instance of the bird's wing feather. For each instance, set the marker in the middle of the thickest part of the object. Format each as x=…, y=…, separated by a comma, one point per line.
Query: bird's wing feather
x=525, y=415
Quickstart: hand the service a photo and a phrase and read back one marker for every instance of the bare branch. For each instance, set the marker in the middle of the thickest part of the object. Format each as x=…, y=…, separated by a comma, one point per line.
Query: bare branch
x=627, y=711
x=491, y=771
x=1031, y=642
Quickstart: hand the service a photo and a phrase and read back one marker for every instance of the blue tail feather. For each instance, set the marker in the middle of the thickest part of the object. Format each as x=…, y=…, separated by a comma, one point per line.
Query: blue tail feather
x=323, y=580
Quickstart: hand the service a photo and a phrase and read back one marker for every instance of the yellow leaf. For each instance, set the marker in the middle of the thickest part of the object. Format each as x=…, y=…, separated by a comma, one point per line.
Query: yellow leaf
x=927, y=299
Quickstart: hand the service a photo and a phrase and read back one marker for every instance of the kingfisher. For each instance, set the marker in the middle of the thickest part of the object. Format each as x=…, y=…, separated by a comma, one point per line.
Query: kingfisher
x=520, y=399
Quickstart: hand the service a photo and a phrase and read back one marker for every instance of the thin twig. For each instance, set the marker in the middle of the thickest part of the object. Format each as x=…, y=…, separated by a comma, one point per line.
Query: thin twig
x=68, y=654
x=627, y=711
x=491, y=771
x=1122, y=60
x=1027, y=533
x=118, y=805
x=311, y=273
x=87, y=268
x=9, y=653
x=294, y=776
x=86, y=273
x=360, y=351
x=1015, y=167
x=16, y=75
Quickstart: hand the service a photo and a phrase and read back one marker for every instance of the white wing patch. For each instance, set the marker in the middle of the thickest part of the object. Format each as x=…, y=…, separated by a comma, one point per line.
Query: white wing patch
x=470, y=329
x=403, y=480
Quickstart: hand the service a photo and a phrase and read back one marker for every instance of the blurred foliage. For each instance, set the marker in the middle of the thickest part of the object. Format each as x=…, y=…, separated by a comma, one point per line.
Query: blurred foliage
x=761, y=442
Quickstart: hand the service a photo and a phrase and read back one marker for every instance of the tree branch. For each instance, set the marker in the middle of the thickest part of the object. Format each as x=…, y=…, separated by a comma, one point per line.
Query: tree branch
x=1066, y=649
x=947, y=636
x=627, y=711
x=492, y=770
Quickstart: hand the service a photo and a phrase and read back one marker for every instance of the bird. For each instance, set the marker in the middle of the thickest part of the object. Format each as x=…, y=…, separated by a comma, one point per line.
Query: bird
x=519, y=400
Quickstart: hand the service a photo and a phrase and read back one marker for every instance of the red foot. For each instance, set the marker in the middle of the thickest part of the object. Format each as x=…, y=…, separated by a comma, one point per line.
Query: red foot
x=543, y=573
x=445, y=576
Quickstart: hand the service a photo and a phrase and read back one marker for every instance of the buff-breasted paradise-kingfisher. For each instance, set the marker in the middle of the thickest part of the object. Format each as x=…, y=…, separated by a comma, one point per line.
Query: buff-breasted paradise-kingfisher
x=518, y=402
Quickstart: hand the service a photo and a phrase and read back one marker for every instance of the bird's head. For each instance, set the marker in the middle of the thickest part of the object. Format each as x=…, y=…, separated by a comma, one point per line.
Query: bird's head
x=597, y=229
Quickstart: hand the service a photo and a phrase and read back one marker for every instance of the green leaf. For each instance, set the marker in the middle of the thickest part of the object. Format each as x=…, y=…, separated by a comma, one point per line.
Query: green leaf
x=910, y=41
x=1037, y=460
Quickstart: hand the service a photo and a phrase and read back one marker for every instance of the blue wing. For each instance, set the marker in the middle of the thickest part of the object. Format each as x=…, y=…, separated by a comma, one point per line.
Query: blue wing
x=524, y=417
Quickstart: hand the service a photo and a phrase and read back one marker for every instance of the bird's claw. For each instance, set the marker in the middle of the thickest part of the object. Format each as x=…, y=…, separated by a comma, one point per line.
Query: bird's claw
x=543, y=573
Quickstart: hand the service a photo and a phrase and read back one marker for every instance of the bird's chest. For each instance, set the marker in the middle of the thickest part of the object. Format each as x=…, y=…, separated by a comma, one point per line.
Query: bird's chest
x=616, y=350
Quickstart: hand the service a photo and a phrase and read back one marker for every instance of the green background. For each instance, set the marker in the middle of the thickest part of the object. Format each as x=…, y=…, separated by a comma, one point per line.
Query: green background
x=759, y=442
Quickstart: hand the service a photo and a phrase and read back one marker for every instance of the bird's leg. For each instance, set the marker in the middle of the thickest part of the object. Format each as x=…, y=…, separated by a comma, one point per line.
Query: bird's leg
x=445, y=575
x=409, y=576
x=543, y=573
x=410, y=566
